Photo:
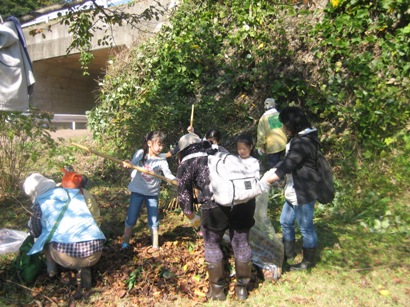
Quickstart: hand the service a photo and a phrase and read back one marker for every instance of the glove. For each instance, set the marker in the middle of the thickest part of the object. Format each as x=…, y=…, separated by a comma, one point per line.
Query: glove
x=195, y=222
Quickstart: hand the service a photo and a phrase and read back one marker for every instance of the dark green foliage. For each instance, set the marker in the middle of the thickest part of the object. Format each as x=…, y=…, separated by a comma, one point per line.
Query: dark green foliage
x=348, y=68
x=226, y=58
x=19, y=8
x=364, y=55
x=209, y=58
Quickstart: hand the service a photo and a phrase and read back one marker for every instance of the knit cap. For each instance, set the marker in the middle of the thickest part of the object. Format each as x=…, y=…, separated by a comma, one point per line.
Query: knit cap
x=36, y=184
x=269, y=103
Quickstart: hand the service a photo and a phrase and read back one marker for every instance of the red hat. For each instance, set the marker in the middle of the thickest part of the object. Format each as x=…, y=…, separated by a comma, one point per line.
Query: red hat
x=71, y=180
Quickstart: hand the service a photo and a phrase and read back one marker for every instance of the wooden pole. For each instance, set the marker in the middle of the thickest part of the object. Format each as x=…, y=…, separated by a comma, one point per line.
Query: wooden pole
x=192, y=116
x=140, y=169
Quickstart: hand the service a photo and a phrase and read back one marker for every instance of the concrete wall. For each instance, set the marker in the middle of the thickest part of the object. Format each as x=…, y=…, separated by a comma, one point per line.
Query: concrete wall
x=60, y=89
x=60, y=84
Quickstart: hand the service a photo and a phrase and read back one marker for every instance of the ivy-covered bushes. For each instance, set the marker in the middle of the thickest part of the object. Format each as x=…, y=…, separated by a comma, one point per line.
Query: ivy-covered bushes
x=364, y=60
x=348, y=67
x=346, y=62
x=225, y=58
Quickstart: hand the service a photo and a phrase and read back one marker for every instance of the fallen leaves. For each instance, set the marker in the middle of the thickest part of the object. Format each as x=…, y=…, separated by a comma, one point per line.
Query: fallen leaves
x=140, y=275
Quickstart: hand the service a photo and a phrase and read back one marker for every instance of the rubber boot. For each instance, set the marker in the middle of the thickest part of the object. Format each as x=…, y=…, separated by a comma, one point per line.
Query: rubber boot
x=154, y=233
x=243, y=277
x=216, y=281
x=289, y=247
x=51, y=264
x=85, y=278
x=307, y=262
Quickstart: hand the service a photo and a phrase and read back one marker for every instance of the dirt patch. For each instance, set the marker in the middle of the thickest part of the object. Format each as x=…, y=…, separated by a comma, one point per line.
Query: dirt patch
x=70, y=133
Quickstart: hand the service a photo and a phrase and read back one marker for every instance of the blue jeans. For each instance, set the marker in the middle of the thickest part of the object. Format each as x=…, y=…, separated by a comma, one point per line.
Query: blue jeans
x=136, y=201
x=303, y=214
x=275, y=158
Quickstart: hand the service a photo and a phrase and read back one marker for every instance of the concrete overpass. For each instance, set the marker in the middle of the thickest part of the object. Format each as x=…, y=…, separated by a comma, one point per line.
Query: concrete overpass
x=60, y=84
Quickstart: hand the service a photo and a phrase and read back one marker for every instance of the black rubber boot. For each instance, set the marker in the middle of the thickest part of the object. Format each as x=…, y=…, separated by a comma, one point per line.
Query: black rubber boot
x=243, y=277
x=216, y=281
x=85, y=275
x=289, y=247
x=307, y=262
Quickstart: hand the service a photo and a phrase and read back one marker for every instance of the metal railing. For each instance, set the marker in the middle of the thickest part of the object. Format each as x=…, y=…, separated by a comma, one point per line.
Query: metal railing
x=70, y=118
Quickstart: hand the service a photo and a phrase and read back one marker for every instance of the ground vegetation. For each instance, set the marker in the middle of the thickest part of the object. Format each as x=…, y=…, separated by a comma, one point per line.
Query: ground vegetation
x=344, y=62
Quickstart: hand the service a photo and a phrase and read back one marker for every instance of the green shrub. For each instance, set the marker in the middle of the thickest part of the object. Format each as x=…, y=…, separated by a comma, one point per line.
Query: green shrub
x=225, y=58
x=23, y=139
x=364, y=54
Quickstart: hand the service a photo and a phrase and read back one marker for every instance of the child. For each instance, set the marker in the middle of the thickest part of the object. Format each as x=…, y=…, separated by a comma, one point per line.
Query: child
x=144, y=187
x=245, y=149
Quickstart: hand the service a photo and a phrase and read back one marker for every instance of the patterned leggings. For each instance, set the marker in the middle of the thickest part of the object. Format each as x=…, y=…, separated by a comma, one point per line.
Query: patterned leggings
x=239, y=241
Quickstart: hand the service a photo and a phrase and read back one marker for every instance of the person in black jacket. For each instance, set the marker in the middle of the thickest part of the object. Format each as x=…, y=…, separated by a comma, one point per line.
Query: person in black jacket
x=299, y=169
x=215, y=219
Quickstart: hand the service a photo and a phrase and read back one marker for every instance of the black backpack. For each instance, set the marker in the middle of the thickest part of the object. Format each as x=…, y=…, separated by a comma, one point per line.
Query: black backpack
x=326, y=187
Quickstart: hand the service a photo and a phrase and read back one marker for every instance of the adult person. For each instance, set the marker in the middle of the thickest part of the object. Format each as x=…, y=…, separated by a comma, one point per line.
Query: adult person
x=174, y=150
x=77, y=241
x=193, y=172
x=271, y=137
x=299, y=168
x=73, y=180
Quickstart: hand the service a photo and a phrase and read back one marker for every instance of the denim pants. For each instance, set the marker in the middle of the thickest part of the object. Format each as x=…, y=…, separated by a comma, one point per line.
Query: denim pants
x=303, y=214
x=275, y=158
x=136, y=202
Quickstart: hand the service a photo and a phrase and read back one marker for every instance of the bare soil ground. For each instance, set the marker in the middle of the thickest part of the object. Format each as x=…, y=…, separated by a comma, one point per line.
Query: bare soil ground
x=69, y=133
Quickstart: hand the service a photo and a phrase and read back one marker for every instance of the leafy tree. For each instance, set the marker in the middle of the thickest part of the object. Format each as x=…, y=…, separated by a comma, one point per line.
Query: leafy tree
x=23, y=137
x=213, y=55
x=19, y=8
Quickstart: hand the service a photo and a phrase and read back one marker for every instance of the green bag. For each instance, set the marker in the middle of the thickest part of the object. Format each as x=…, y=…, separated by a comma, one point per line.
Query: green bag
x=28, y=266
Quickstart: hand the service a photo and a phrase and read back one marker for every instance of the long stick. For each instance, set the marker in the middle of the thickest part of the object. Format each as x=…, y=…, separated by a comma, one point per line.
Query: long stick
x=140, y=169
x=192, y=116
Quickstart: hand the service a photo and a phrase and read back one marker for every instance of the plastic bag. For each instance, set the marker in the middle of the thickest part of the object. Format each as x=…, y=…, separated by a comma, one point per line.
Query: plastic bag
x=267, y=247
x=11, y=240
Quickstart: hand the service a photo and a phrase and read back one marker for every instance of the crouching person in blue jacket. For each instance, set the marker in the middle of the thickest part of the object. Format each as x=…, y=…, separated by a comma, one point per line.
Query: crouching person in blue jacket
x=64, y=227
